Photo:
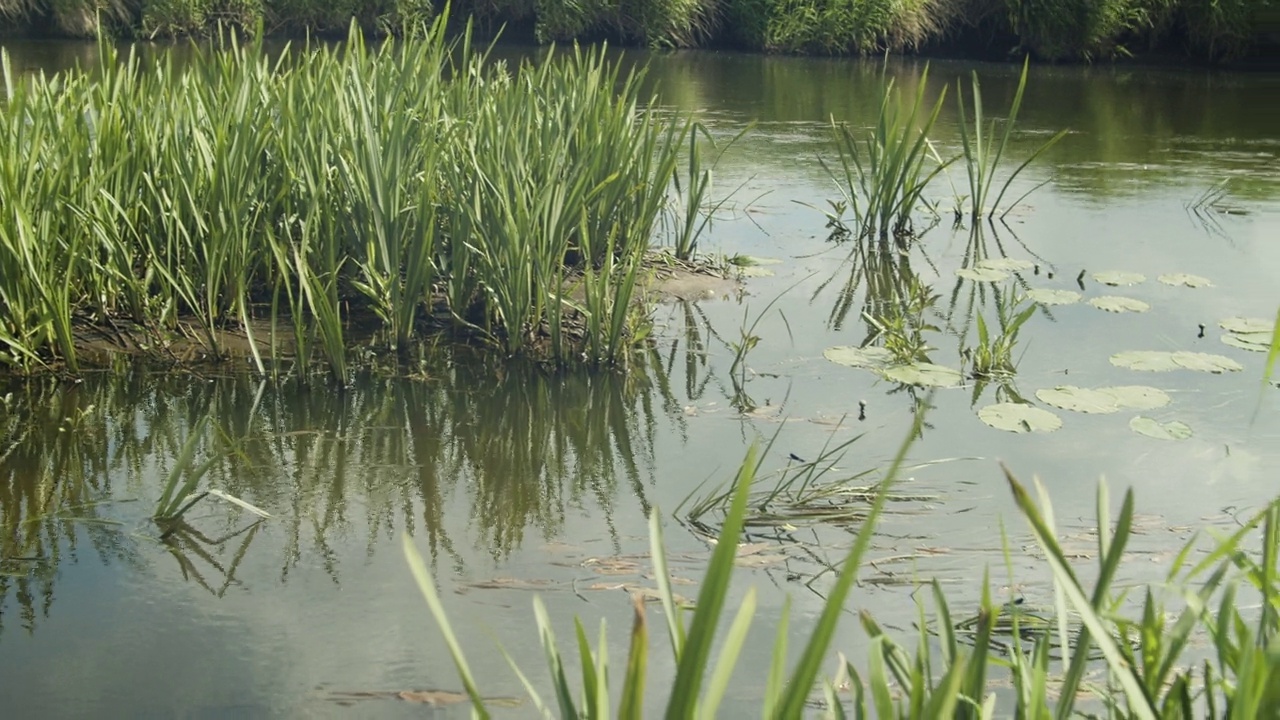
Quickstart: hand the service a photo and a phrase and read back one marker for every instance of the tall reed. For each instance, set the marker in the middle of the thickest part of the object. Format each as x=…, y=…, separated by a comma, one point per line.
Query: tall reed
x=396, y=187
x=882, y=174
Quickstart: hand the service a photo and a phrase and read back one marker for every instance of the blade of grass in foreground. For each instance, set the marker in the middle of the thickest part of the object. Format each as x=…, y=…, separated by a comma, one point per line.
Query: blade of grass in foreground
x=427, y=585
x=806, y=671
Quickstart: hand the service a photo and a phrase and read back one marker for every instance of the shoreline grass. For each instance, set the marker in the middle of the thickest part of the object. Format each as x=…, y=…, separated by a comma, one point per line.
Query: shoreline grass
x=416, y=184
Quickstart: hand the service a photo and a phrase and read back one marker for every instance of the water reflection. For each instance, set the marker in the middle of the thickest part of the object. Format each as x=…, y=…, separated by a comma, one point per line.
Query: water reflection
x=476, y=457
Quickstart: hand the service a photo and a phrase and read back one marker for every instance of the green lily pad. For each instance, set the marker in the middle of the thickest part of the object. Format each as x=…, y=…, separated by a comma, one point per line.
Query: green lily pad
x=872, y=358
x=1046, y=296
x=1255, y=342
x=1117, y=304
x=1159, y=361
x=1145, y=360
x=754, y=271
x=1004, y=264
x=1117, y=277
x=926, y=374
x=1246, y=325
x=1205, y=362
x=1019, y=418
x=1070, y=397
x=1192, y=281
x=1137, y=397
x=1174, y=430
x=980, y=274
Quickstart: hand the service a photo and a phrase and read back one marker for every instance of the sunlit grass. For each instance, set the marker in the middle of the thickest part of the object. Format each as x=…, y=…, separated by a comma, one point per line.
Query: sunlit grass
x=411, y=188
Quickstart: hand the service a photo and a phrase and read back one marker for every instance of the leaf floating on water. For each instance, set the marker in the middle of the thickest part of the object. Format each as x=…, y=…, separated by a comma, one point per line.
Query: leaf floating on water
x=1191, y=281
x=1161, y=431
x=1145, y=360
x=1137, y=397
x=1205, y=362
x=1255, y=342
x=1019, y=418
x=924, y=374
x=1117, y=304
x=433, y=697
x=1047, y=296
x=873, y=358
x=980, y=274
x=1116, y=278
x=1004, y=264
x=1246, y=325
x=1070, y=397
x=754, y=271
x=751, y=260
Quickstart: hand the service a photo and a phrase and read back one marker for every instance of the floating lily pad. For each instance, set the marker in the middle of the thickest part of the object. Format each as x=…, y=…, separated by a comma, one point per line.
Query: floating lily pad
x=1070, y=397
x=1005, y=264
x=1137, y=397
x=1193, y=281
x=1256, y=342
x=981, y=274
x=872, y=358
x=1046, y=296
x=1246, y=325
x=1019, y=418
x=1145, y=360
x=754, y=271
x=1205, y=362
x=1158, y=361
x=1117, y=304
x=1174, y=430
x=1118, y=277
x=926, y=374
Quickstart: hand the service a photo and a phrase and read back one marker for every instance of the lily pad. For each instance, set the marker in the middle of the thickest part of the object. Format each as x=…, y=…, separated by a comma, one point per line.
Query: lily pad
x=1256, y=342
x=1145, y=360
x=1116, y=278
x=981, y=274
x=1159, y=361
x=926, y=374
x=1137, y=397
x=1004, y=264
x=872, y=358
x=1192, y=281
x=1174, y=430
x=755, y=271
x=1246, y=325
x=1019, y=418
x=1117, y=304
x=1070, y=397
x=1047, y=296
x=1205, y=362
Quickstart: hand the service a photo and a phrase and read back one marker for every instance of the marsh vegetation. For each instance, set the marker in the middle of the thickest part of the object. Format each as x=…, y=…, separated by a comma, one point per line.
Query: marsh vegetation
x=332, y=197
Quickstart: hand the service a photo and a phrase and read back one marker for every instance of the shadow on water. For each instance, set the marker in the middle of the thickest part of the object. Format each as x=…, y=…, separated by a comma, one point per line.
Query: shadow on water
x=472, y=459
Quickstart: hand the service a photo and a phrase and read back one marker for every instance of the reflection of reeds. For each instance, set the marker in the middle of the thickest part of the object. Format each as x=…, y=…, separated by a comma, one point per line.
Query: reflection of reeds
x=492, y=453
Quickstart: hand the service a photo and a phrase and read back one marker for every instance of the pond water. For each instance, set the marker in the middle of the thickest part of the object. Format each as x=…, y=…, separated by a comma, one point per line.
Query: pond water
x=515, y=481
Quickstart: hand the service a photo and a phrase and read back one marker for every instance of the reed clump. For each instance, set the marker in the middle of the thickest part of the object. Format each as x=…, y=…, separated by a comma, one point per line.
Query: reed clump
x=402, y=191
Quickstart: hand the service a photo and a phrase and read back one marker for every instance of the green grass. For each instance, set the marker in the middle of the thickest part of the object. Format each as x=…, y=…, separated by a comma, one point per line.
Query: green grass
x=883, y=171
x=332, y=186
x=1145, y=653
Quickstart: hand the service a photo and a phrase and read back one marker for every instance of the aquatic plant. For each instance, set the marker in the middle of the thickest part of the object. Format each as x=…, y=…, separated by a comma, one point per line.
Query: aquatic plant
x=1151, y=665
x=298, y=196
x=982, y=156
x=992, y=356
x=882, y=175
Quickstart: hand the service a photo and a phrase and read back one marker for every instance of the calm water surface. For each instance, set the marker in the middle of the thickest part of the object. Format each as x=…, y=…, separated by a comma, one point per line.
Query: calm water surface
x=513, y=480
